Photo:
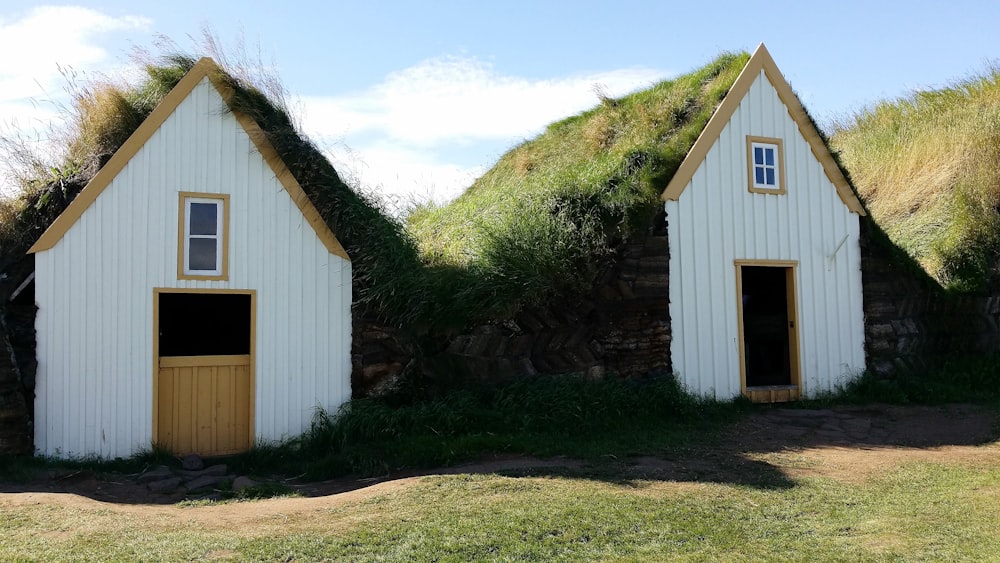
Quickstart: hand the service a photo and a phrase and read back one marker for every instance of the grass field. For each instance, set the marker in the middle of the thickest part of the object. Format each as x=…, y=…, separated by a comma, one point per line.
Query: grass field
x=653, y=474
x=917, y=511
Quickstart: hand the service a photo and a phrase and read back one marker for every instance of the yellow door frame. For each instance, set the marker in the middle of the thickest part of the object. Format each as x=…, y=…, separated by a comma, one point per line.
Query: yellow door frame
x=772, y=394
x=156, y=348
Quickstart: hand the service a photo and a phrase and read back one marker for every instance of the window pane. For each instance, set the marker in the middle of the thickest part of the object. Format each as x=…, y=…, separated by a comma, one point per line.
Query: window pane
x=758, y=155
x=769, y=157
x=201, y=254
x=203, y=218
x=770, y=176
x=758, y=175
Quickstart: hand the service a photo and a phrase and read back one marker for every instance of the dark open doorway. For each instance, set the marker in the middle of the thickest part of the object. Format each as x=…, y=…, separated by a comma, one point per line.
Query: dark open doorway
x=768, y=324
x=204, y=324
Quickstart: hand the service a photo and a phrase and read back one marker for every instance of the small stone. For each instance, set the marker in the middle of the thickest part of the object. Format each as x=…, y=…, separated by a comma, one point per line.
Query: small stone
x=204, y=481
x=215, y=470
x=243, y=482
x=192, y=463
x=156, y=474
x=164, y=485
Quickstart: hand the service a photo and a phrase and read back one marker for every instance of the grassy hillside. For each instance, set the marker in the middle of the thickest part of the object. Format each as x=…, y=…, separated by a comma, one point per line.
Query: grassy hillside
x=544, y=219
x=928, y=168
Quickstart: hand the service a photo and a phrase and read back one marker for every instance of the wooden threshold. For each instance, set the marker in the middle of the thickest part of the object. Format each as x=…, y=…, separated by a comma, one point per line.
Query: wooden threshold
x=773, y=393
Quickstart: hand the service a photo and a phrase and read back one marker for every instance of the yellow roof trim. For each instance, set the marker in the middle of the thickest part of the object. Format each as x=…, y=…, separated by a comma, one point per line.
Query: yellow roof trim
x=761, y=60
x=205, y=67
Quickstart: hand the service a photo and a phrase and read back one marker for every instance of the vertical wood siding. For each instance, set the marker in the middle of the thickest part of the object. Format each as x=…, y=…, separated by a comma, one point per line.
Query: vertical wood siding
x=94, y=291
x=717, y=220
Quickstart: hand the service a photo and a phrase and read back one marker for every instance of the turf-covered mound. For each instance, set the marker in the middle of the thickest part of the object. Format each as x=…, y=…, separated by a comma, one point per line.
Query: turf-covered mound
x=928, y=169
x=385, y=261
x=548, y=215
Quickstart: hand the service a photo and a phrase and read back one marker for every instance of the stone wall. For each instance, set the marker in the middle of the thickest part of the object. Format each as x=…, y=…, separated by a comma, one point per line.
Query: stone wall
x=910, y=322
x=621, y=327
x=16, y=384
x=15, y=437
x=379, y=355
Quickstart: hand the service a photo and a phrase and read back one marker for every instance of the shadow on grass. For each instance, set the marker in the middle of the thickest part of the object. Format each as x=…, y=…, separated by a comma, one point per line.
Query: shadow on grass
x=730, y=452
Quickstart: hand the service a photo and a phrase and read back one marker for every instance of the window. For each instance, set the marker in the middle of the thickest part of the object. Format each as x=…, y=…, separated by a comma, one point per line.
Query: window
x=203, y=236
x=765, y=166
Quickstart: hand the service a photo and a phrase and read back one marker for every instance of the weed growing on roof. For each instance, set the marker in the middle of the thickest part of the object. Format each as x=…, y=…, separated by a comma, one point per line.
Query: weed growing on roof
x=927, y=167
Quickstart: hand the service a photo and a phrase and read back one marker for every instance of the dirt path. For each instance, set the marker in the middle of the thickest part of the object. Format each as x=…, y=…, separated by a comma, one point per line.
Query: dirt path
x=770, y=448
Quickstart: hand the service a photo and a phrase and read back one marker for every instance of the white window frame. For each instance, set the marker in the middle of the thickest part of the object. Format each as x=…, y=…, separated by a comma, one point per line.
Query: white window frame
x=221, y=236
x=766, y=143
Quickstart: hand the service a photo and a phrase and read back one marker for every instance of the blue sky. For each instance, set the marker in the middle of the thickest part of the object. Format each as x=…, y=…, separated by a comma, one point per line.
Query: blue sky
x=415, y=99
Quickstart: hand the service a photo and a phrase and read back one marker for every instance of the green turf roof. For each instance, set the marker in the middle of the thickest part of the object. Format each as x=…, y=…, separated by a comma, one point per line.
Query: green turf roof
x=106, y=114
x=547, y=215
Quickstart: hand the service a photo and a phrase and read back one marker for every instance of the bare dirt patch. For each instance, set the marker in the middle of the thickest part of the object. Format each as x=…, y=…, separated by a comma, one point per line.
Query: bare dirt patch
x=769, y=448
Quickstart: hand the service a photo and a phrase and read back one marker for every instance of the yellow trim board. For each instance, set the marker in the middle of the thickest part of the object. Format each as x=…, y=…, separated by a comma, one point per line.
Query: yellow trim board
x=781, y=189
x=793, y=391
x=761, y=60
x=205, y=67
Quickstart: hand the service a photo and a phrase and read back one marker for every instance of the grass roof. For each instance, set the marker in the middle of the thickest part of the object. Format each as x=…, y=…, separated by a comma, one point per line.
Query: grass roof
x=546, y=217
x=928, y=168
x=106, y=113
x=540, y=224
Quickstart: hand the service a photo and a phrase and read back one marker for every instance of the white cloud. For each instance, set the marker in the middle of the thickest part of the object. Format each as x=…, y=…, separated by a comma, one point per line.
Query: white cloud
x=49, y=37
x=403, y=175
x=401, y=127
x=35, y=46
x=461, y=98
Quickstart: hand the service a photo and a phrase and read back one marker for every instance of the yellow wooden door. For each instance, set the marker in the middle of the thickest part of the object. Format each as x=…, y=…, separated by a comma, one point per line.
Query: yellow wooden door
x=204, y=404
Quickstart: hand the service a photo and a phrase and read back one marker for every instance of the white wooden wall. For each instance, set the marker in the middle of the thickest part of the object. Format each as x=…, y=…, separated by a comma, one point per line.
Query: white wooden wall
x=716, y=220
x=94, y=290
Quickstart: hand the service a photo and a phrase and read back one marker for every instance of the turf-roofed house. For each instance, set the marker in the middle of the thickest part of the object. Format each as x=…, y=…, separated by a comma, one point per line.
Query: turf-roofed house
x=703, y=222
x=191, y=295
x=765, y=260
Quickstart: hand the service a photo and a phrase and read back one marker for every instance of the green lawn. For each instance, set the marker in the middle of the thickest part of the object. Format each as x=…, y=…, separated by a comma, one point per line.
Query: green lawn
x=917, y=511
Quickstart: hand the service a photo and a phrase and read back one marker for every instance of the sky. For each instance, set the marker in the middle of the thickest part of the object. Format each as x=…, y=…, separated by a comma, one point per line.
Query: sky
x=415, y=99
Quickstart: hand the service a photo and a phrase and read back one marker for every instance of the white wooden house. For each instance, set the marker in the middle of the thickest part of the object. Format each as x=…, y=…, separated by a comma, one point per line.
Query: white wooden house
x=765, y=260
x=191, y=295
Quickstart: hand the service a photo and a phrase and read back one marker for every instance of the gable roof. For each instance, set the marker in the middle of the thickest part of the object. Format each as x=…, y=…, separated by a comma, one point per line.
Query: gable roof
x=761, y=60
x=205, y=67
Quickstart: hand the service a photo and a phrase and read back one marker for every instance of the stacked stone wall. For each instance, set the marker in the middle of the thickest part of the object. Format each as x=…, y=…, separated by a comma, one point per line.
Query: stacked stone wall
x=621, y=328
x=910, y=322
x=17, y=378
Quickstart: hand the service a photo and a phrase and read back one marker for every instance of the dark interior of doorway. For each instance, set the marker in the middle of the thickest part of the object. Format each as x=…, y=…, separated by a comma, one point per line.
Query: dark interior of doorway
x=765, y=326
x=204, y=324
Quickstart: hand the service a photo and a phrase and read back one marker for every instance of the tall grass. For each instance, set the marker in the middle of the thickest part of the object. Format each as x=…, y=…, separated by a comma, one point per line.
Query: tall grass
x=545, y=219
x=957, y=379
x=571, y=416
x=542, y=416
x=928, y=168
